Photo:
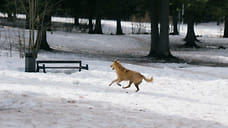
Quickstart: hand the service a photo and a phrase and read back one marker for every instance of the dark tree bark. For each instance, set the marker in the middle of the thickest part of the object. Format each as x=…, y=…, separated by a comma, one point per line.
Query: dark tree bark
x=175, y=23
x=154, y=28
x=98, y=28
x=41, y=40
x=90, y=25
x=160, y=42
x=90, y=9
x=118, y=27
x=76, y=21
x=11, y=16
x=190, y=37
x=164, y=50
x=226, y=27
x=42, y=34
x=27, y=21
x=47, y=22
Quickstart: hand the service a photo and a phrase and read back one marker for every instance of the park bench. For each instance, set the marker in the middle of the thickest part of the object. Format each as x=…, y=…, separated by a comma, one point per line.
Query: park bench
x=60, y=64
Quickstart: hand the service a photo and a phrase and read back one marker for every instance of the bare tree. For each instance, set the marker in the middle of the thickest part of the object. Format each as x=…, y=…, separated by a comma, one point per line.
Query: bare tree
x=39, y=17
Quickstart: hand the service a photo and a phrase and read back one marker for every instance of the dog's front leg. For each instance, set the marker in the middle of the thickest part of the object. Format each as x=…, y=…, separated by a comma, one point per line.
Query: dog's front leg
x=118, y=83
x=113, y=82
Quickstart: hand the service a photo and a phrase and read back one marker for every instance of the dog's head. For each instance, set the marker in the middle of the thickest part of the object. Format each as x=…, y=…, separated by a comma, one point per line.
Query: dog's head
x=114, y=64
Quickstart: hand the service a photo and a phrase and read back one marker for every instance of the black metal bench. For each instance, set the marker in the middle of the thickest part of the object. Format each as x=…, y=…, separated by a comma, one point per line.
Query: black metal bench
x=41, y=65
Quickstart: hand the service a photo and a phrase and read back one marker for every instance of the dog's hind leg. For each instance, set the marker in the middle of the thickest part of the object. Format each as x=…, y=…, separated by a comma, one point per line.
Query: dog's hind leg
x=137, y=85
x=129, y=85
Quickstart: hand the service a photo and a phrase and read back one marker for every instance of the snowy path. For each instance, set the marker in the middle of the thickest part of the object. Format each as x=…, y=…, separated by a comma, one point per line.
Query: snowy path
x=52, y=113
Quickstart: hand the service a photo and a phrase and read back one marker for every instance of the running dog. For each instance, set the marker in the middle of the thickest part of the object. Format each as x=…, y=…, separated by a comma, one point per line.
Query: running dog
x=124, y=74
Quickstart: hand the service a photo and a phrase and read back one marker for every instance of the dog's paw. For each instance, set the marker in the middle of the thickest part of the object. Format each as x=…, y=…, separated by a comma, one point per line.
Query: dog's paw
x=124, y=87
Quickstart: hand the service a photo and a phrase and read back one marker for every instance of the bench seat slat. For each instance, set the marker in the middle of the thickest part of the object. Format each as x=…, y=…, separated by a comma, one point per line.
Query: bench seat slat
x=59, y=67
x=57, y=61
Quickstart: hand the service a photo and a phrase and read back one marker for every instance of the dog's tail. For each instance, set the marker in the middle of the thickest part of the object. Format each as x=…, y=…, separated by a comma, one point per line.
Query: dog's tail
x=148, y=80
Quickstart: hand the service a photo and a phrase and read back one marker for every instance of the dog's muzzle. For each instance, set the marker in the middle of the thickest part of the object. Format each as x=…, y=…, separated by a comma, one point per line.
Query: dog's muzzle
x=112, y=67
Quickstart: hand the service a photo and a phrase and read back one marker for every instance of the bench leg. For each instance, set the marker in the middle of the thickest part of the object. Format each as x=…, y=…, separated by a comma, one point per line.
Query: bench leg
x=87, y=67
x=80, y=67
x=37, y=67
x=44, y=70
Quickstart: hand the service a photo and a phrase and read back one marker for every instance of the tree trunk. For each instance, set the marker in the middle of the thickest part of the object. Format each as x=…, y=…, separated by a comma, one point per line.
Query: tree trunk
x=160, y=43
x=118, y=27
x=47, y=22
x=41, y=40
x=27, y=21
x=163, y=47
x=91, y=16
x=90, y=25
x=76, y=21
x=175, y=23
x=154, y=28
x=98, y=29
x=190, y=37
x=10, y=16
x=42, y=34
x=226, y=27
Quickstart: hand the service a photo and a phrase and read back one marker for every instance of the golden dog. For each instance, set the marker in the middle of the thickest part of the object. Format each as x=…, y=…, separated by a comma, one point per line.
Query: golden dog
x=124, y=74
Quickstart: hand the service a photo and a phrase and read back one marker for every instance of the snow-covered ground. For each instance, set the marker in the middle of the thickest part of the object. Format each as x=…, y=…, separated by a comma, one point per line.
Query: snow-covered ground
x=181, y=96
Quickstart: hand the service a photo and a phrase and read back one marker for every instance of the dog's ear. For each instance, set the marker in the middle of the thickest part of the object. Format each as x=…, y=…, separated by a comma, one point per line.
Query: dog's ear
x=115, y=61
